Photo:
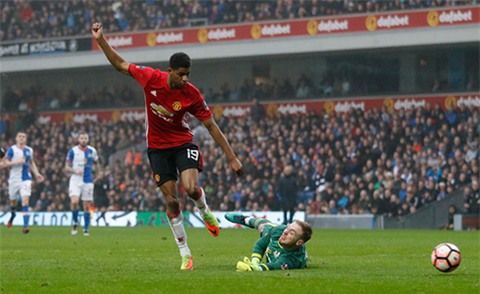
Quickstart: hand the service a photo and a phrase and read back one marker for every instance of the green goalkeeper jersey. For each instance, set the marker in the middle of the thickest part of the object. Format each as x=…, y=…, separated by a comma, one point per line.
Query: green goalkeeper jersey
x=278, y=258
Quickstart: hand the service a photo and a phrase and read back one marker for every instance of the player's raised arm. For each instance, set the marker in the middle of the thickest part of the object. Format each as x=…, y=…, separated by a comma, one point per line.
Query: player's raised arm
x=115, y=59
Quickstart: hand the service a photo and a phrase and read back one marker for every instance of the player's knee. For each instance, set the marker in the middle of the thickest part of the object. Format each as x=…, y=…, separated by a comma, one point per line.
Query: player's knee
x=171, y=201
x=193, y=191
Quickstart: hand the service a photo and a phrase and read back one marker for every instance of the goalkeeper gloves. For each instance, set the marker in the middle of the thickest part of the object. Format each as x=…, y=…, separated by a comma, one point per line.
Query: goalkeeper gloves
x=255, y=263
x=247, y=266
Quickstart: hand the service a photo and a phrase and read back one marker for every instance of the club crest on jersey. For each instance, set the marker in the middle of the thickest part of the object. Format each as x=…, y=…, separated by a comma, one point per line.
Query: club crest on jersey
x=205, y=105
x=157, y=178
x=177, y=105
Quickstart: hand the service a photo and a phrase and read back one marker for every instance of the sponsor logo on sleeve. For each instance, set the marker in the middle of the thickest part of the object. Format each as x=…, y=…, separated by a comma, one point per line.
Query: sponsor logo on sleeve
x=205, y=105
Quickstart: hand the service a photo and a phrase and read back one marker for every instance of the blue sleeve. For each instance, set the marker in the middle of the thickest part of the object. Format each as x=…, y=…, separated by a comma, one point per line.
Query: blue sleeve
x=9, y=153
x=70, y=156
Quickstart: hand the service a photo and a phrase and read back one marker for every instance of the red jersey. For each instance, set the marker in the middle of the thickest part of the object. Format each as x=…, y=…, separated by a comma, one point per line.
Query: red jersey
x=167, y=109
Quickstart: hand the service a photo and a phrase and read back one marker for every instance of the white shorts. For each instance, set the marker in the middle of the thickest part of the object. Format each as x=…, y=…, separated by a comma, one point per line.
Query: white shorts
x=79, y=188
x=19, y=188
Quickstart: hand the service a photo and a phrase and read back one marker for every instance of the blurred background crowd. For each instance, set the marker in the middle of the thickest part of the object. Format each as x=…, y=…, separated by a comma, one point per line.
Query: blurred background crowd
x=50, y=19
x=370, y=161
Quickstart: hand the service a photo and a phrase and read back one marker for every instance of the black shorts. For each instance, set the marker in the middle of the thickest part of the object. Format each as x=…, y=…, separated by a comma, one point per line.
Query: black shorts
x=167, y=163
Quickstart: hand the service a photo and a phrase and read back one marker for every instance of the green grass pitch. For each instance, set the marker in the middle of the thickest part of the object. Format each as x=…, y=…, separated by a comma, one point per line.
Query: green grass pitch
x=146, y=260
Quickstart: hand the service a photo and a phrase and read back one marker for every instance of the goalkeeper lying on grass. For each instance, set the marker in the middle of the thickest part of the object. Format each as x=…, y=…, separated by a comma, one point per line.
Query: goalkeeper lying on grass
x=283, y=245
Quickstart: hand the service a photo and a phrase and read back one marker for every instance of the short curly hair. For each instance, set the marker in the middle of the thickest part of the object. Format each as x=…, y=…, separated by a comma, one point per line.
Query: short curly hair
x=180, y=59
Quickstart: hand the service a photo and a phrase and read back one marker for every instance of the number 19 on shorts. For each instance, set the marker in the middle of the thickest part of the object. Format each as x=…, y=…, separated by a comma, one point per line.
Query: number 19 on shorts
x=192, y=154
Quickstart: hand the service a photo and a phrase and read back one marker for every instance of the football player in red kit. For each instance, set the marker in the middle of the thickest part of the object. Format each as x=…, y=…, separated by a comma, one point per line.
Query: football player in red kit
x=169, y=98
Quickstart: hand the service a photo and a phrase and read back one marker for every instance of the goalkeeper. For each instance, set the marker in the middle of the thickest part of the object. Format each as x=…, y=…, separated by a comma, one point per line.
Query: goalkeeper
x=282, y=245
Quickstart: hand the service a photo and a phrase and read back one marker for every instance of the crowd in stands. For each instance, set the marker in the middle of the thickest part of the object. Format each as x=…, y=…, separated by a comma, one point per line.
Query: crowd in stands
x=337, y=81
x=38, y=97
x=38, y=19
x=372, y=161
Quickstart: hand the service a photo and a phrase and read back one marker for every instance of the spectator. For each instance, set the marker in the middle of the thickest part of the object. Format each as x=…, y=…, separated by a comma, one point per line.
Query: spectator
x=472, y=198
x=287, y=189
x=258, y=112
x=452, y=210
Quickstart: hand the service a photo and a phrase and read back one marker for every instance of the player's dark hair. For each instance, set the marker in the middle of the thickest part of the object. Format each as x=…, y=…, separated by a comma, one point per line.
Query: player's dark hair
x=180, y=59
x=307, y=231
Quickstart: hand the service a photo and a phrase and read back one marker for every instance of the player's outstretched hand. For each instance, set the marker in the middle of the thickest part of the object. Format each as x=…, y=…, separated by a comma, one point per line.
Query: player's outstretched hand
x=40, y=178
x=243, y=267
x=248, y=265
x=97, y=30
x=255, y=264
x=237, y=166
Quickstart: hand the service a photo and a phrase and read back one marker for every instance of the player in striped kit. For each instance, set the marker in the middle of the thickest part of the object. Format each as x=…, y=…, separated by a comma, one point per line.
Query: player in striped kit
x=19, y=158
x=79, y=164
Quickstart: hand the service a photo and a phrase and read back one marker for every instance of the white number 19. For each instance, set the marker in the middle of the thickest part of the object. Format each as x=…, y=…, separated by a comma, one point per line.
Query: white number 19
x=193, y=154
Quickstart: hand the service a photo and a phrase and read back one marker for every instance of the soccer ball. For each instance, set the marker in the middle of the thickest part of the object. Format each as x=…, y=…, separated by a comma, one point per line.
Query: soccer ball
x=446, y=257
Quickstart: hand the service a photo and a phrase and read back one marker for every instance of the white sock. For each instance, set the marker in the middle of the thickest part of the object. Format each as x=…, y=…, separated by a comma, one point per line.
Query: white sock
x=201, y=203
x=176, y=224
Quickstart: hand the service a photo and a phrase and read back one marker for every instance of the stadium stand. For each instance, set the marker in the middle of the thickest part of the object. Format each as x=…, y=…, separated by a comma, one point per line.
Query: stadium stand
x=371, y=161
x=34, y=19
x=368, y=161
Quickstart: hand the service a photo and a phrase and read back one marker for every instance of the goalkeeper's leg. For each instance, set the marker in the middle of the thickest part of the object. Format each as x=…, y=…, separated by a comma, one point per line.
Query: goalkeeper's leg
x=258, y=223
x=249, y=221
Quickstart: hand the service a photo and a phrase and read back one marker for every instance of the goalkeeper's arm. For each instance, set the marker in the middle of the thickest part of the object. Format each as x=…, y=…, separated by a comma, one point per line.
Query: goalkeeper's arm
x=256, y=261
x=254, y=264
